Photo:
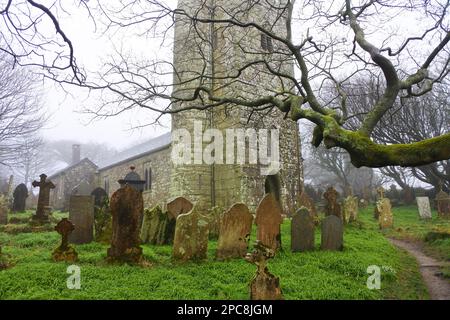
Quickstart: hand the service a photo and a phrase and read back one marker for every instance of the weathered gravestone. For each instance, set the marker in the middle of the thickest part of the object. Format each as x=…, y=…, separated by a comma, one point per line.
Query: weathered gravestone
x=214, y=219
x=423, y=204
x=332, y=234
x=380, y=196
x=264, y=285
x=81, y=213
x=20, y=197
x=102, y=216
x=191, y=236
x=179, y=206
x=157, y=227
x=268, y=221
x=350, y=209
x=100, y=197
x=3, y=210
x=65, y=252
x=302, y=231
x=305, y=201
x=234, y=234
x=443, y=204
x=383, y=210
x=43, y=208
x=332, y=207
x=127, y=207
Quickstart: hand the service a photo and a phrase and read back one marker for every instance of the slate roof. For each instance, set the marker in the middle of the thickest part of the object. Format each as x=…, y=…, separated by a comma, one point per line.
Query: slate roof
x=151, y=146
x=59, y=172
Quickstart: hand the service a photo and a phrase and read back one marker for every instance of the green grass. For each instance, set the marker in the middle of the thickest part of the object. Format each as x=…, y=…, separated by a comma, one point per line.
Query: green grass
x=314, y=275
x=409, y=227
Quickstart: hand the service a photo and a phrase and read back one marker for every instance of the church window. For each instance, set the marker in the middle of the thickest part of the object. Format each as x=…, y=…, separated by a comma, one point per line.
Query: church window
x=266, y=43
x=148, y=178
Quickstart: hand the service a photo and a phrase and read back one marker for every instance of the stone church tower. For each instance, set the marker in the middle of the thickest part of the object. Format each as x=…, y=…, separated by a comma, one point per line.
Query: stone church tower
x=211, y=55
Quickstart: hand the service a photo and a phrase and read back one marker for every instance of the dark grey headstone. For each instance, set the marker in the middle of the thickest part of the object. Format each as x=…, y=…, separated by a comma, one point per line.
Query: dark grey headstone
x=81, y=214
x=20, y=196
x=332, y=234
x=100, y=195
x=302, y=231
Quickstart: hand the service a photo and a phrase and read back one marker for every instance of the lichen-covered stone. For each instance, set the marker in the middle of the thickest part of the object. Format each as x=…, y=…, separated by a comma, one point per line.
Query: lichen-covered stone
x=191, y=236
x=268, y=221
x=332, y=207
x=215, y=219
x=302, y=231
x=443, y=204
x=350, y=209
x=384, y=212
x=65, y=252
x=264, y=285
x=178, y=206
x=157, y=227
x=235, y=230
x=81, y=213
x=3, y=210
x=127, y=209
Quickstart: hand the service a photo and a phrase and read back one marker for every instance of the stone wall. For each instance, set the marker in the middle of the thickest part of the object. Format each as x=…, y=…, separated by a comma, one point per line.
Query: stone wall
x=159, y=163
x=68, y=179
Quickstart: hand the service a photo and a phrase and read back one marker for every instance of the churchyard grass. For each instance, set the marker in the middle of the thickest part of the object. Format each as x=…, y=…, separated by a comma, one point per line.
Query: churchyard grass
x=434, y=233
x=312, y=275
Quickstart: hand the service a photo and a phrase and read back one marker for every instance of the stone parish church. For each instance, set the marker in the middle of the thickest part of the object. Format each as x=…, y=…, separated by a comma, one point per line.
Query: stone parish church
x=208, y=185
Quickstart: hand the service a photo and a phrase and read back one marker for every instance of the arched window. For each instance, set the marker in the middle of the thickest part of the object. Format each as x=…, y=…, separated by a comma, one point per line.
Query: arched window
x=148, y=178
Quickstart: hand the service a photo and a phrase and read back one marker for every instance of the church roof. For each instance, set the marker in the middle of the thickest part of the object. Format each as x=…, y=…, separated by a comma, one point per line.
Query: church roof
x=138, y=151
x=59, y=172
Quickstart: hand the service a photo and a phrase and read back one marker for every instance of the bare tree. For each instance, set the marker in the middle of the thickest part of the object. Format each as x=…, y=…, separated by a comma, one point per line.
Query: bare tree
x=289, y=33
x=20, y=111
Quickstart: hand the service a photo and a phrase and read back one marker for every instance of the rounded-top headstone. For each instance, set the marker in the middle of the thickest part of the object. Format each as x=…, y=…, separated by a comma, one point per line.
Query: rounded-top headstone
x=133, y=179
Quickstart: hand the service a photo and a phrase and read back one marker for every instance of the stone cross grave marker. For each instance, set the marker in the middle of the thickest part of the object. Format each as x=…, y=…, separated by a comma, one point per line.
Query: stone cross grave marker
x=235, y=230
x=264, y=285
x=332, y=234
x=44, y=198
x=302, y=231
x=268, y=221
x=20, y=197
x=81, y=213
x=332, y=207
x=423, y=203
x=127, y=208
x=65, y=252
x=191, y=236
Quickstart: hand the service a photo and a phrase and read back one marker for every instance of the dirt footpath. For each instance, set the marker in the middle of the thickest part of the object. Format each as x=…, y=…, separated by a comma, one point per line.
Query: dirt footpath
x=438, y=287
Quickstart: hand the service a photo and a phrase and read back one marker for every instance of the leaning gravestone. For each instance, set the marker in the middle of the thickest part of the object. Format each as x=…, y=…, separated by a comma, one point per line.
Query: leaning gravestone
x=350, y=209
x=191, y=236
x=264, y=285
x=423, y=203
x=302, y=231
x=3, y=210
x=65, y=252
x=20, y=195
x=443, y=204
x=157, y=227
x=268, y=221
x=43, y=207
x=332, y=234
x=332, y=207
x=234, y=235
x=81, y=213
x=127, y=207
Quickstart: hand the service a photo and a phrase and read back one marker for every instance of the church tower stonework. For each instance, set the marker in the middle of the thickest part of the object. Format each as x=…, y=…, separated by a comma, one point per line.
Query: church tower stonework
x=233, y=61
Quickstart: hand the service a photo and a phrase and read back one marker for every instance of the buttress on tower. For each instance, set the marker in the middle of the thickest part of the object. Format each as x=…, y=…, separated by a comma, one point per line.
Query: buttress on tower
x=233, y=61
